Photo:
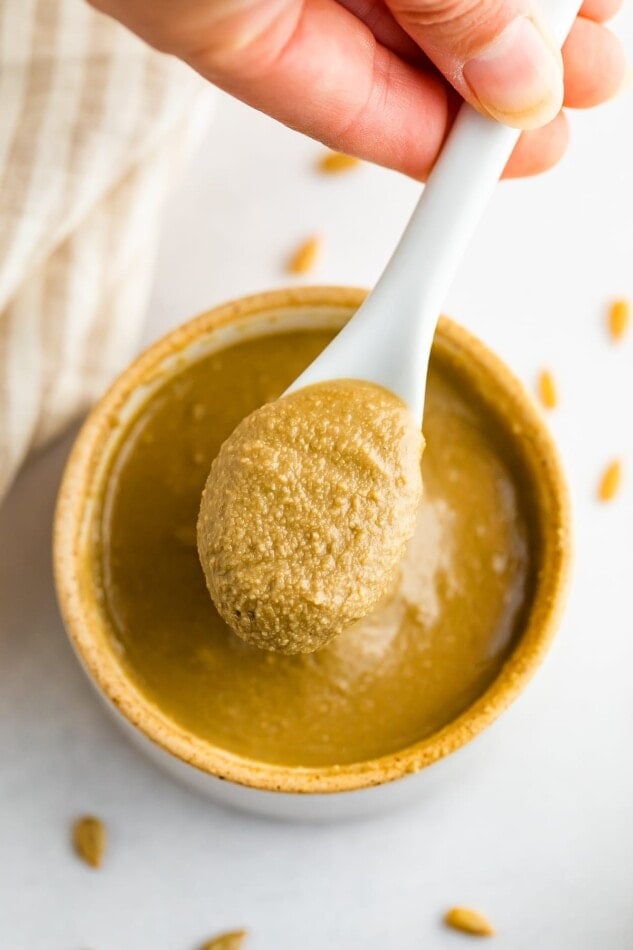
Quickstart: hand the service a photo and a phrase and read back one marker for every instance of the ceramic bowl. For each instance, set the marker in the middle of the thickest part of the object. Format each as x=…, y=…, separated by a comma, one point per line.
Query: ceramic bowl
x=286, y=791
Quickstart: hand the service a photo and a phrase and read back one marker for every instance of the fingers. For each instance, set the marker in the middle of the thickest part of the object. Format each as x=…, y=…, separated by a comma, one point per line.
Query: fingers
x=184, y=26
x=317, y=67
x=382, y=23
x=595, y=65
x=498, y=55
x=600, y=10
x=328, y=77
x=312, y=65
x=539, y=150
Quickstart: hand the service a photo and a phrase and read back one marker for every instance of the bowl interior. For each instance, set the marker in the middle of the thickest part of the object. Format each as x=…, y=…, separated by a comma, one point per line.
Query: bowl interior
x=319, y=308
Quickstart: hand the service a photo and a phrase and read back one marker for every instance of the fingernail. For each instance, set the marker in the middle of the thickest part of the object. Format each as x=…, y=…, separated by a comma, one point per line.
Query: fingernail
x=518, y=79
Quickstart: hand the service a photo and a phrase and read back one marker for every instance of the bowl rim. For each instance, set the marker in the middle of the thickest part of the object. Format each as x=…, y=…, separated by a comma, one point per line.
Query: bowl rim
x=99, y=660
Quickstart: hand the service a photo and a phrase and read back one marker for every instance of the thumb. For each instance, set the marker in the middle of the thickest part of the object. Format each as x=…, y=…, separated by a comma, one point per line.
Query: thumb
x=498, y=54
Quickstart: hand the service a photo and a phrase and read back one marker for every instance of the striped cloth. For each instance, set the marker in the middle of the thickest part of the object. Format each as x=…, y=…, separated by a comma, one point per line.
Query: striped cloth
x=94, y=127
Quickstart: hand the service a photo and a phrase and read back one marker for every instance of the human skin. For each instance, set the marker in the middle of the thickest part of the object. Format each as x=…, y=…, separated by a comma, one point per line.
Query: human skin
x=382, y=79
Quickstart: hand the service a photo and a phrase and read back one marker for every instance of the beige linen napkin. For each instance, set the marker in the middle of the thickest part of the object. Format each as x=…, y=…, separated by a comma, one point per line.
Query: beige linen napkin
x=94, y=127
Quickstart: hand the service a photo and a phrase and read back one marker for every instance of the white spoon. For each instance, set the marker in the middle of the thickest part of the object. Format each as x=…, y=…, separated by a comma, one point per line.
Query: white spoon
x=276, y=593
x=388, y=340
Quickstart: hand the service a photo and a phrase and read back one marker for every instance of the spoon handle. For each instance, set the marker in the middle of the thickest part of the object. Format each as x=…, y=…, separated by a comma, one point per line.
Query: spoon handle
x=389, y=339
x=417, y=278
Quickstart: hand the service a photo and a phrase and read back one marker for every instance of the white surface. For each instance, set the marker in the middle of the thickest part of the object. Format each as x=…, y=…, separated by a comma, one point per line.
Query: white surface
x=539, y=831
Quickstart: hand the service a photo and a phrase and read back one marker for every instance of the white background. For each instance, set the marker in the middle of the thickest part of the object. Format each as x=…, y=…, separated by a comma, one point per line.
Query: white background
x=541, y=835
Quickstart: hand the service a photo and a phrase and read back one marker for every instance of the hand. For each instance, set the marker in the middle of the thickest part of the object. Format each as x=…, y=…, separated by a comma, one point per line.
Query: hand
x=382, y=80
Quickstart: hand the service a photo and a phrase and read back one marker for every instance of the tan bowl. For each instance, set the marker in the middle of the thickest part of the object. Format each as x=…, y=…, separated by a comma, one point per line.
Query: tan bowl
x=243, y=781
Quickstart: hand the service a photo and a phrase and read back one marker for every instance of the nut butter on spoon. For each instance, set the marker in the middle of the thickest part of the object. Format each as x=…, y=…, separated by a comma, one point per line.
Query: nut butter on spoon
x=312, y=499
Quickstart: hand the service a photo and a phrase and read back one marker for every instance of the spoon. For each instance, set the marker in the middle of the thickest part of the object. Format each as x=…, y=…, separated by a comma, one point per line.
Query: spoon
x=388, y=340
x=312, y=499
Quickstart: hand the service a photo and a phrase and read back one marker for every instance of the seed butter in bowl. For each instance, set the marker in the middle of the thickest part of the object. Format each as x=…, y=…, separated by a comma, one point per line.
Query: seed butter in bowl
x=378, y=713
